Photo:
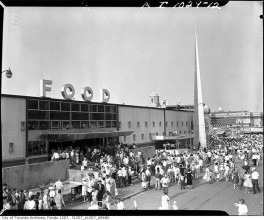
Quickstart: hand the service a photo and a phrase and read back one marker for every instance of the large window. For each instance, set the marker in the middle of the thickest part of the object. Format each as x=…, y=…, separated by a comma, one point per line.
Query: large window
x=109, y=116
x=100, y=108
x=97, y=116
x=32, y=104
x=38, y=115
x=75, y=107
x=84, y=108
x=51, y=114
x=58, y=115
x=44, y=105
x=65, y=106
x=94, y=108
x=54, y=105
x=79, y=116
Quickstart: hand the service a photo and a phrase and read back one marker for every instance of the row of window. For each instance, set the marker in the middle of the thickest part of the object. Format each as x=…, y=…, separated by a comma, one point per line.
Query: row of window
x=69, y=106
x=57, y=125
x=57, y=115
x=160, y=124
x=156, y=134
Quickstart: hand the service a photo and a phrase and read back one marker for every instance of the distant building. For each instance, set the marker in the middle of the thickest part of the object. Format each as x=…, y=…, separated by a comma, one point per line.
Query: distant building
x=154, y=100
x=236, y=118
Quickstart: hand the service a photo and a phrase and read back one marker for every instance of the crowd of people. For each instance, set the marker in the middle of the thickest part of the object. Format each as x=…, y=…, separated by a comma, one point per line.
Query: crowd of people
x=233, y=162
x=115, y=166
x=49, y=196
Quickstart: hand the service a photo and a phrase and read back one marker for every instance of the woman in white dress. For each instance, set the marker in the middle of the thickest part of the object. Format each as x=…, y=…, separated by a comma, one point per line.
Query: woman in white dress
x=226, y=173
x=207, y=176
x=165, y=202
x=144, y=180
x=221, y=170
x=216, y=171
x=46, y=200
x=248, y=182
x=107, y=183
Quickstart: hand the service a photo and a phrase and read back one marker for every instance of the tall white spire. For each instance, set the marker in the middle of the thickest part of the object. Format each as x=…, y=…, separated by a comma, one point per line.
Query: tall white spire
x=199, y=124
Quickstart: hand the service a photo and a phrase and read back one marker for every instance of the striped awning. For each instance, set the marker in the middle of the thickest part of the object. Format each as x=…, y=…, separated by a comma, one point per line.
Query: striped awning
x=68, y=136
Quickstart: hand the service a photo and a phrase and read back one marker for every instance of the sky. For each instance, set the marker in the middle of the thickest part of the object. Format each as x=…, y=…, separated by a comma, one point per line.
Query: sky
x=133, y=52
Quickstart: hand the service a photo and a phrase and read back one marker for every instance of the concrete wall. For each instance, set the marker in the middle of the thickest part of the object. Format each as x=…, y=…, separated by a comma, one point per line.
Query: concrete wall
x=141, y=115
x=13, y=112
x=180, y=117
x=30, y=176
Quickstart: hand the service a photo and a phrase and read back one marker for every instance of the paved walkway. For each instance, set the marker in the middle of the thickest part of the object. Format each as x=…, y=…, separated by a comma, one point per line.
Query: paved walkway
x=215, y=196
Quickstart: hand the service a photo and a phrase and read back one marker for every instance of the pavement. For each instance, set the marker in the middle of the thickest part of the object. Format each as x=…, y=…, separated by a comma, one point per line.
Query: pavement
x=215, y=196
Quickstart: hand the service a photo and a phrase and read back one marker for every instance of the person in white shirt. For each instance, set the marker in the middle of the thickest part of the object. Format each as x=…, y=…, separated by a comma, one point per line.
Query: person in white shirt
x=125, y=160
x=148, y=162
x=255, y=178
x=178, y=160
x=176, y=171
x=107, y=171
x=52, y=192
x=242, y=208
x=67, y=155
x=148, y=175
x=164, y=164
x=258, y=158
x=120, y=205
x=197, y=170
x=85, y=163
x=124, y=176
x=55, y=156
x=201, y=165
x=175, y=207
x=58, y=185
x=131, y=154
x=120, y=175
x=165, y=202
x=30, y=204
x=84, y=189
x=165, y=183
x=226, y=174
x=226, y=158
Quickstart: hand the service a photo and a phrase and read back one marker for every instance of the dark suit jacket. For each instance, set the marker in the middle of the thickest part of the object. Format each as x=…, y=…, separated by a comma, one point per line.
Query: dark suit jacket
x=100, y=192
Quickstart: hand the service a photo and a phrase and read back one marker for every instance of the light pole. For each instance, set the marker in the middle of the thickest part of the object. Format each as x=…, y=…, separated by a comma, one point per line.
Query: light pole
x=8, y=73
